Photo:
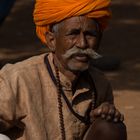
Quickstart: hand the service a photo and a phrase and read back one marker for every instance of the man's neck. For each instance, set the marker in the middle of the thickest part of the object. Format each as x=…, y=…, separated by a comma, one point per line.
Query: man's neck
x=72, y=76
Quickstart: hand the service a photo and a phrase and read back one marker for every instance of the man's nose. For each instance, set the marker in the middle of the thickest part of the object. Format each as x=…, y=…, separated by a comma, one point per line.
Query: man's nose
x=82, y=42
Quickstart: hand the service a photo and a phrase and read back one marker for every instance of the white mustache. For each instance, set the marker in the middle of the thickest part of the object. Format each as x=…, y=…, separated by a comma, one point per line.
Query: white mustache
x=89, y=52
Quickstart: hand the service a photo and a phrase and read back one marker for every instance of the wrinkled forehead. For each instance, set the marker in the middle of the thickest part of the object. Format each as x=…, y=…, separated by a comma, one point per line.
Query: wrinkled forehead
x=77, y=22
x=80, y=22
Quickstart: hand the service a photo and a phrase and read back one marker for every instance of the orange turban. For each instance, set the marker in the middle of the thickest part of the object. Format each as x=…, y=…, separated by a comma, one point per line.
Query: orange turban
x=48, y=12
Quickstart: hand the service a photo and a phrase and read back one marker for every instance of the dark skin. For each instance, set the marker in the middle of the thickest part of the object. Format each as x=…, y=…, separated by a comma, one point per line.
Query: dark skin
x=104, y=130
x=80, y=32
x=77, y=32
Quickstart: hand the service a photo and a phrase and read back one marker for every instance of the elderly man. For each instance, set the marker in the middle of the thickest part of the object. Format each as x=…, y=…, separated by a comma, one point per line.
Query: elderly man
x=60, y=95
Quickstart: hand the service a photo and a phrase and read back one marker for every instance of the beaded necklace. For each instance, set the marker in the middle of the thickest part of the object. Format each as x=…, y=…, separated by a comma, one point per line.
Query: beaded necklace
x=60, y=94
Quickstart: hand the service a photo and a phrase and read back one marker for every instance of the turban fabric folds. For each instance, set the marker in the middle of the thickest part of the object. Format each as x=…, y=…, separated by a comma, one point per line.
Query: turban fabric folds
x=49, y=12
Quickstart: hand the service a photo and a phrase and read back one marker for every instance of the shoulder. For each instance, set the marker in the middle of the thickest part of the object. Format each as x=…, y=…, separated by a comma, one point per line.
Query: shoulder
x=24, y=67
x=96, y=74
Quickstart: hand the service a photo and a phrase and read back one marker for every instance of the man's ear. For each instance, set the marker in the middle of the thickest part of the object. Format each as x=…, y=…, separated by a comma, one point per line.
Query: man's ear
x=50, y=38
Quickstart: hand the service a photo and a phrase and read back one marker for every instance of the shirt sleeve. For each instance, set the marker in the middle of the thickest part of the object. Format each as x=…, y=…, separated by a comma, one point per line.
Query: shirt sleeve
x=7, y=105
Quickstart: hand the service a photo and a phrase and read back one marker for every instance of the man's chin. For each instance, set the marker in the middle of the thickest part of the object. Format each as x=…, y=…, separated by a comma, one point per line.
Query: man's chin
x=77, y=68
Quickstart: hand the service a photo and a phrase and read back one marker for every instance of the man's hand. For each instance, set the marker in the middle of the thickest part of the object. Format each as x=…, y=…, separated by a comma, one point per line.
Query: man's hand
x=106, y=111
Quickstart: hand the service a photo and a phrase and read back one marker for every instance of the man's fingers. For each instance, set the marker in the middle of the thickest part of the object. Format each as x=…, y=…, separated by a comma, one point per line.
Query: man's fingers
x=107, y=111
x=111, y=113
x=122, y=118
x=117, y=116
x=104, y=110
x=96, y=112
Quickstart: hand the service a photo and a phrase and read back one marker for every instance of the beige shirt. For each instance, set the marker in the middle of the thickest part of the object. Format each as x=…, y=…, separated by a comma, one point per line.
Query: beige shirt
x=29, y=104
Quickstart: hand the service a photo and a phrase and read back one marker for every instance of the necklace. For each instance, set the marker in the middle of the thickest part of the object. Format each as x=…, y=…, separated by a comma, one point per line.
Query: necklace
x=60, y=93
x=60, y=105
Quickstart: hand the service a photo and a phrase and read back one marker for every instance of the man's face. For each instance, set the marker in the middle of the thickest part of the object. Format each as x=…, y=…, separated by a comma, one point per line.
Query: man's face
x=75, y=40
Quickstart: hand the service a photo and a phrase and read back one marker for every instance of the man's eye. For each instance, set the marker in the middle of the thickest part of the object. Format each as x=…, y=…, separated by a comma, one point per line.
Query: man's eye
x=75, y=32
x=92, y=33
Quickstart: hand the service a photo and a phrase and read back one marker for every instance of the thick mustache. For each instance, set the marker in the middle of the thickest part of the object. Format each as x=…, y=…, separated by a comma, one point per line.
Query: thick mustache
x=77, y=51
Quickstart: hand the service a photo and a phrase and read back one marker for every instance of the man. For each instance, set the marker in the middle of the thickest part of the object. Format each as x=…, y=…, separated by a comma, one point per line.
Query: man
x=59, y=95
